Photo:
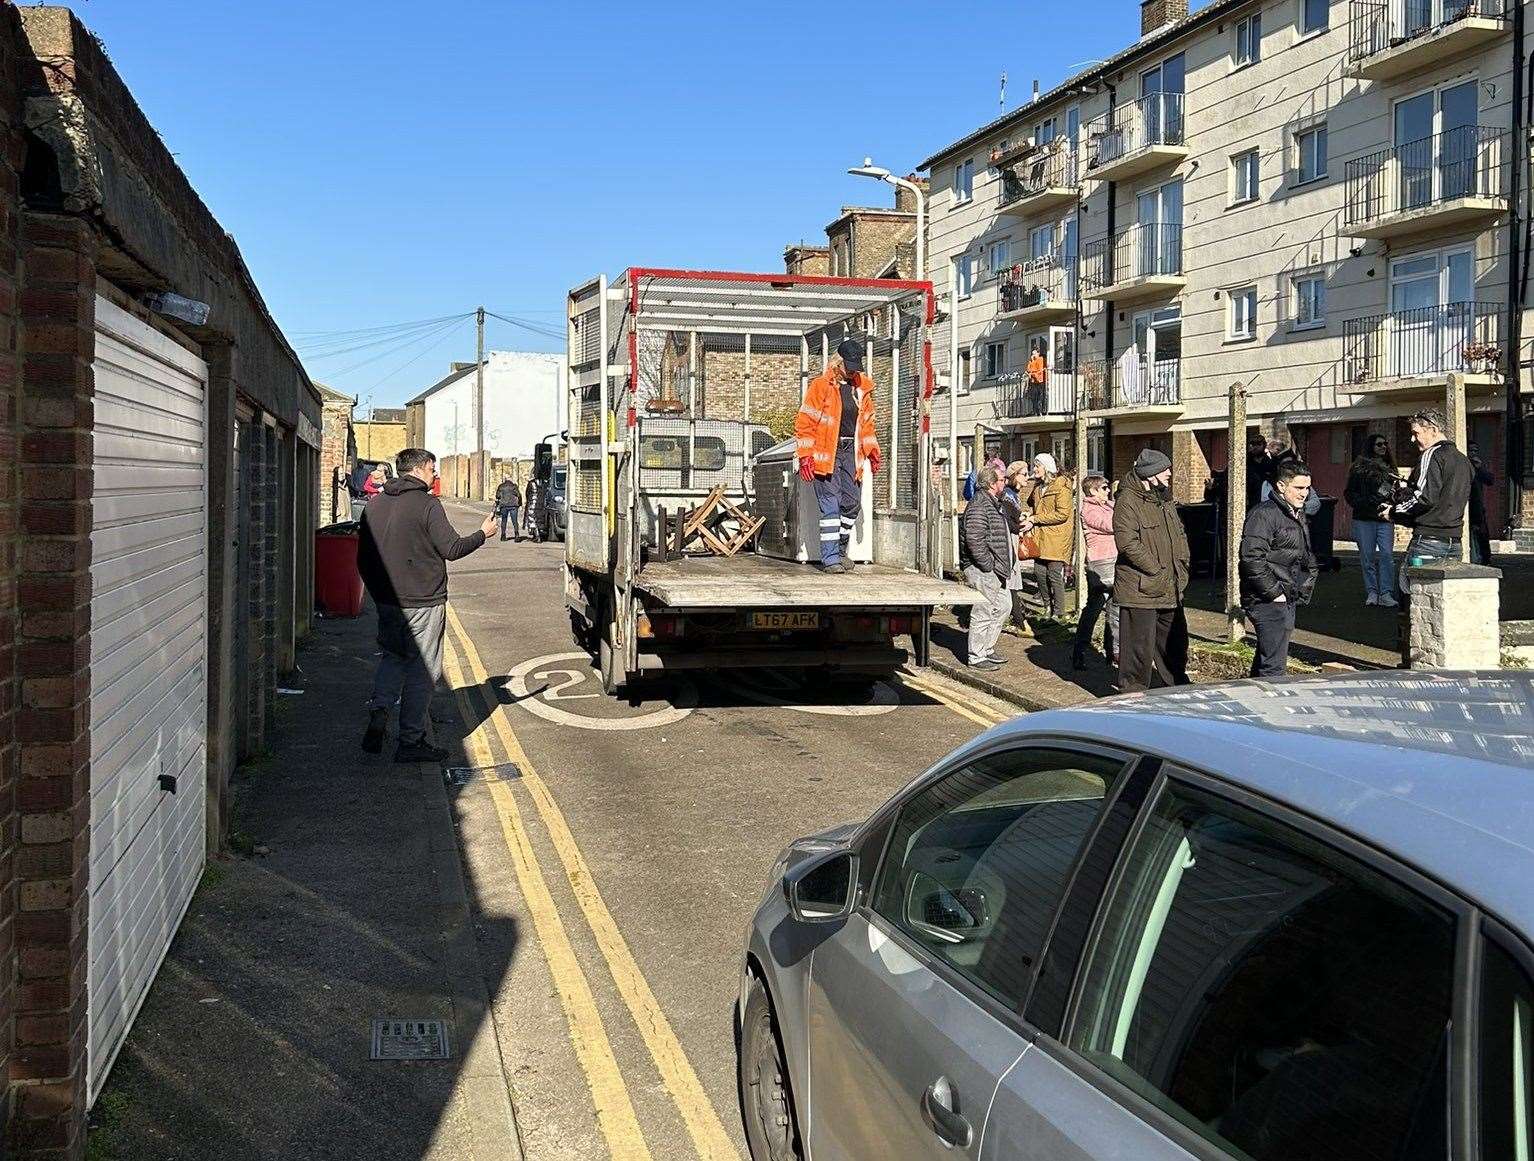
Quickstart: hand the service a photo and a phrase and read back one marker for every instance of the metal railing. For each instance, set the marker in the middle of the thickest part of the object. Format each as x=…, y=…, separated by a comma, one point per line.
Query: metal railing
x=1018, y=397
x=1125, y=382
x=1374, y=26
x=1141, y=251
x=1429, y=341
x=1042, y=280
x=1156, y=119
x=1053, y=166
x=1471, y=161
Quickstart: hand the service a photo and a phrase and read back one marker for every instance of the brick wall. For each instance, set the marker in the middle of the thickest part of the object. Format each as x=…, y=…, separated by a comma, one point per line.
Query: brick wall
x=774, y=384
x=53, y=655
x=379, y=441
x=875, y=239
x=10, y=163
x=807, y=260
x=337, y=449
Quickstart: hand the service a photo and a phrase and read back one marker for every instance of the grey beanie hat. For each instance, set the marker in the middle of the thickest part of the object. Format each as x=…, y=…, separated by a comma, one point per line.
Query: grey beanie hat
x=1151, y=462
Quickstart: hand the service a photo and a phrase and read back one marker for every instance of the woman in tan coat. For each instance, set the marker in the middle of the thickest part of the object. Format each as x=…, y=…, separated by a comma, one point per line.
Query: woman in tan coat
x=1054, y=515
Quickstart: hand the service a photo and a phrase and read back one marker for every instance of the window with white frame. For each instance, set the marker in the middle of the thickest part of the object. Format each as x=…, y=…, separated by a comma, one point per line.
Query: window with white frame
x=1041, y=242
x=1243, y=313
x=1045, y=132
x=999, y=256
x=964, y=181
x=1097, y=450
x=995, y=363
x=1309, y=301
x=966, y=372
x=1310, y=154
x=1315, y=16
x=1243, y=177
x=1249, y=40
x=963, y=275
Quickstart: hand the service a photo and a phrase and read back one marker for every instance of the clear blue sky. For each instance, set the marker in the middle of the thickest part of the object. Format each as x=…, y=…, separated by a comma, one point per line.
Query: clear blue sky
x=382, y=161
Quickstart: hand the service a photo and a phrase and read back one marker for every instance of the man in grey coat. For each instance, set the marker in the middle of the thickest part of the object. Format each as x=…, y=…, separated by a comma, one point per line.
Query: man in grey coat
x=407, y=541
x=988, y=543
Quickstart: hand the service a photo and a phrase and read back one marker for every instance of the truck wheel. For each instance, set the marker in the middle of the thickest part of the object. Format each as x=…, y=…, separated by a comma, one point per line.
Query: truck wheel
x=605, y=631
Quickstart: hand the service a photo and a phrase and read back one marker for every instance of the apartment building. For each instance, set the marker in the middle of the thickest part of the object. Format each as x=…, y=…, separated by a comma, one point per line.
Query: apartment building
x=1308, y=197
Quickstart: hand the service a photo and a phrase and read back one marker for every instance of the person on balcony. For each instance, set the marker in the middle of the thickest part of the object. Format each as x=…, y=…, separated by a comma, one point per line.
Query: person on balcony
x=1038, y=373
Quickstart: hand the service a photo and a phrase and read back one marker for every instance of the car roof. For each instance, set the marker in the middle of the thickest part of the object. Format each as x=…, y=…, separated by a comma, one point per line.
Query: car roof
x=1434, y=768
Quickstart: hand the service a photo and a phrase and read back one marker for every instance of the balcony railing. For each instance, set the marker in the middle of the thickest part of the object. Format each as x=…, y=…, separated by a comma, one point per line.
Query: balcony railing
x=1428, y=342
x=1134, y=126
x=1018, y=397
x=1375, y=26
x=1051, y=167
x=1127, y=382
x=1143, y=251
x=1043, y=282
x=1469, y=162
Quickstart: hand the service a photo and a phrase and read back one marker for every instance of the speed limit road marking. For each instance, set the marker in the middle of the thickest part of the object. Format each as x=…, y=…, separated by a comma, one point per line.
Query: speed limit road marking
x=568, y=684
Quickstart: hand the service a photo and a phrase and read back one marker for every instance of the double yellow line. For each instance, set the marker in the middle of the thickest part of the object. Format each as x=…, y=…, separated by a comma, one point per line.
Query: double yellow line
x=962, y=703
x=615, y=1110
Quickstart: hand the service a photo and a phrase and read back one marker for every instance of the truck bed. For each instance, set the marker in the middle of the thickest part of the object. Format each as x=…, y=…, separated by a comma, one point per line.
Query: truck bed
x=761, y=582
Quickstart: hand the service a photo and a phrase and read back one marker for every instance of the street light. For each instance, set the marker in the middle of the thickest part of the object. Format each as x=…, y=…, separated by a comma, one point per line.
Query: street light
x=879, y=173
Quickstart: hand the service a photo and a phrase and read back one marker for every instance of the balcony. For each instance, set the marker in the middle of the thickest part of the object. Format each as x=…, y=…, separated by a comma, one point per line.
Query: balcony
x=1141, y=263
x=1409, y=354
x=1451, y=180
x=1137, y=138
x=1022, y=405
x=1043, y=290
x=1041, y=180
x=1137, y=386
x=1395, y=38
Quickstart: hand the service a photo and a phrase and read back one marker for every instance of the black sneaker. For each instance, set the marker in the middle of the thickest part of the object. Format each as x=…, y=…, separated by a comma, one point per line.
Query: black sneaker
x=985, y=665
x=836, y=566
x=419, y=752
x=378, y=725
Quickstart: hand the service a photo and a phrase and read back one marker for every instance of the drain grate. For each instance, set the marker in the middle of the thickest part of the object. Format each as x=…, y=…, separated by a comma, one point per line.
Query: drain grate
x=463, y=775
x=410, y=1040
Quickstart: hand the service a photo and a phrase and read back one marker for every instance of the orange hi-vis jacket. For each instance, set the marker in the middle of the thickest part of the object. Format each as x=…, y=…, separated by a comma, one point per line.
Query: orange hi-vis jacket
x=1036, y=368
x=820, y=419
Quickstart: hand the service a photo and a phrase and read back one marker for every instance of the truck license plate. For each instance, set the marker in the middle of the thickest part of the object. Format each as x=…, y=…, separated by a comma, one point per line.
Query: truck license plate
x=785, y=620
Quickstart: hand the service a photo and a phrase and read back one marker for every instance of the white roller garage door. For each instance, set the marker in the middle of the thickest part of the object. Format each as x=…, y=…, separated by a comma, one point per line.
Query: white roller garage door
x=149, y=610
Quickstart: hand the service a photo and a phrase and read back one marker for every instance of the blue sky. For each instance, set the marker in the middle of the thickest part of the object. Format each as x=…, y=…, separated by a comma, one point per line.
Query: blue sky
x=382, y=162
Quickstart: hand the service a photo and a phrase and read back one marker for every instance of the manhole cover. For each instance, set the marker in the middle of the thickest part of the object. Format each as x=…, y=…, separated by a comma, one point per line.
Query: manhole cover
x=410, y=1040
x=463, y=775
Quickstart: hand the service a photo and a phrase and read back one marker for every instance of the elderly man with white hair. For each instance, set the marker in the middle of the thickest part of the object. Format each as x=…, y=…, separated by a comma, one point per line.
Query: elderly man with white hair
x=1054, y=528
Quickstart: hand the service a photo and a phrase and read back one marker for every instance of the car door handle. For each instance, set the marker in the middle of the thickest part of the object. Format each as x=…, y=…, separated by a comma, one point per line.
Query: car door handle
x=940, y=1103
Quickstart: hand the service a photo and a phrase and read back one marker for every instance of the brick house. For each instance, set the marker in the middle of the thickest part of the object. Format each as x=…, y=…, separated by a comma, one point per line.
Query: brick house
x=381, y=436
x=158, y=503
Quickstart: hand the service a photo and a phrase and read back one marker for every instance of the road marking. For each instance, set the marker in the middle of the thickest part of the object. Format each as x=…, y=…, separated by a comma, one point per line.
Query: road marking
x=698, y=1114
x=686, y=695
x=974, y=711
x=615, y=1111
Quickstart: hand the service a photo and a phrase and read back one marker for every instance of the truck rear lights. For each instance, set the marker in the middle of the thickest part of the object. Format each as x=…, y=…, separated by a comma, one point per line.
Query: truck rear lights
x=659, y=626
x=900, y=625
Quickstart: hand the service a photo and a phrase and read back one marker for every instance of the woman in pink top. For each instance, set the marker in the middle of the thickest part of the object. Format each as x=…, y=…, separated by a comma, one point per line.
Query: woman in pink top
x=1102, y=552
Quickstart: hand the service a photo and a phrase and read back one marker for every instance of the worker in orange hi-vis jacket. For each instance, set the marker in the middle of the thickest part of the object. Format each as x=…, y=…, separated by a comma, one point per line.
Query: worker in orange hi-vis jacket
x=835, y=432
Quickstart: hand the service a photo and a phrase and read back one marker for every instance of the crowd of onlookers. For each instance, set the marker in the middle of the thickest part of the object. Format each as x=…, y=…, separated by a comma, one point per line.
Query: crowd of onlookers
x=1020, y=523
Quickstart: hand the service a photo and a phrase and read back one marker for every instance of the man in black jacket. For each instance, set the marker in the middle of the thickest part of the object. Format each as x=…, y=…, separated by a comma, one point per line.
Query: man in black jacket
x=988, y=541
x=1278, y=569
x=1436, y=496
x=508, y=501
x=407, y=541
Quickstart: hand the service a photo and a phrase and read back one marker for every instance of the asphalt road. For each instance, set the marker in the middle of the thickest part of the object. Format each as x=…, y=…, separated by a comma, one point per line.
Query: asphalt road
x=629, y=846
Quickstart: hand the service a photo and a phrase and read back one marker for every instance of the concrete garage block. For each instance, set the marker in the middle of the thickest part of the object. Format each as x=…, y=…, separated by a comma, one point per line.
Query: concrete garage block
x=1453, y=617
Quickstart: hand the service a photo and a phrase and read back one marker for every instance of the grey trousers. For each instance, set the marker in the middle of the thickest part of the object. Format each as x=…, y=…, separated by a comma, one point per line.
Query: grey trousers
x=411, y=665
x=986, y=618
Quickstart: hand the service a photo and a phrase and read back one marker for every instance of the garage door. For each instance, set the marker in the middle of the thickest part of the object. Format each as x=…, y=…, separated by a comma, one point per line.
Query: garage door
x=149, y=607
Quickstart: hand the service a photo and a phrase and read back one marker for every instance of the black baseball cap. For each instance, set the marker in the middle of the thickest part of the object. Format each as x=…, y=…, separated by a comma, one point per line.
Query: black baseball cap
x=850, y=351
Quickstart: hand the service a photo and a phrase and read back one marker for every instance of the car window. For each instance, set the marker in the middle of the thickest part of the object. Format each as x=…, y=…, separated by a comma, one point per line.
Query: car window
x=1277, y=996
x=1507, y=1064
x=977, y=861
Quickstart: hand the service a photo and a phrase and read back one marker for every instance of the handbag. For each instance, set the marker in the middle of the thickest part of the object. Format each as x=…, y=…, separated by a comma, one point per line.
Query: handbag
x=1027, y=546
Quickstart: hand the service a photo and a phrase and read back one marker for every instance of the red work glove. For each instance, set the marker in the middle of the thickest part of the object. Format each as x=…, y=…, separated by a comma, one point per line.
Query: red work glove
x=807, y=468
x=875, y=461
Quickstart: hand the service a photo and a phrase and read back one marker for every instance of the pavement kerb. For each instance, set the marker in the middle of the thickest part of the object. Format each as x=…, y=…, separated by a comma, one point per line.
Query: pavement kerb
x=965, y=676
x=484, y=1087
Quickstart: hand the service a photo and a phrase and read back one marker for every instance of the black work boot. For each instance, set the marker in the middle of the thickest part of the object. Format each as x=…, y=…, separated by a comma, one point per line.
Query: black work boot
x=421, y=751
x=378, y=725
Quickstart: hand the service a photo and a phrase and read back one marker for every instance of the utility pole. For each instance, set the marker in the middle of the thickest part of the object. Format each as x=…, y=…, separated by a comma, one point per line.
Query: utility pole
x=479, y=400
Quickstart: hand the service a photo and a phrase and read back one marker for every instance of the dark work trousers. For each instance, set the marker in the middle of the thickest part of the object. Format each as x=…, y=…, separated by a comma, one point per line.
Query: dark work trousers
x=1049, y=575
x=1153, y=648
x=509, y=520
x=840, y=499
x=1274, y=623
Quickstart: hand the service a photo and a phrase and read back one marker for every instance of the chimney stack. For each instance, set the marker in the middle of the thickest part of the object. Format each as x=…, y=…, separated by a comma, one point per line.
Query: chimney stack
x=1157, y=14
x=1035, y=96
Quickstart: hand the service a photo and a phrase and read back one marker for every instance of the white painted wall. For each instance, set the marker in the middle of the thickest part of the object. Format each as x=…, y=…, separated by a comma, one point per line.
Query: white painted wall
x=523, y=395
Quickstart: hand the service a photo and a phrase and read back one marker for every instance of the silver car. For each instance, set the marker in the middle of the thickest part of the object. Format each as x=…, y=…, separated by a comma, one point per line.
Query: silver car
x=1268, y=920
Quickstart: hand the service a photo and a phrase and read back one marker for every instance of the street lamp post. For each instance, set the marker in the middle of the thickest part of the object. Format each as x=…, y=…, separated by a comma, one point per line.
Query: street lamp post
x=879, y=173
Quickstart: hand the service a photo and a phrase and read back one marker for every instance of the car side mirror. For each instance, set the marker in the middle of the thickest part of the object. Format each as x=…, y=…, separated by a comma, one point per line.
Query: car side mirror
x=822, y=889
